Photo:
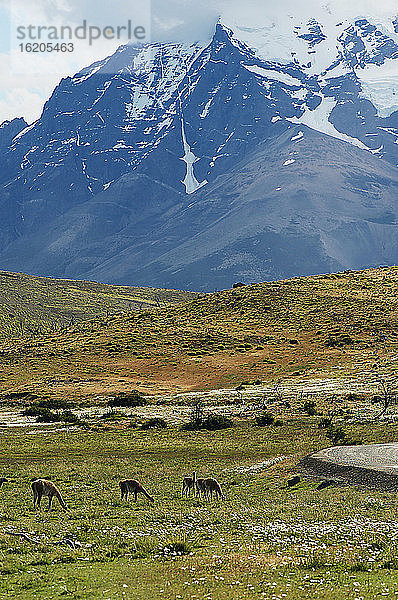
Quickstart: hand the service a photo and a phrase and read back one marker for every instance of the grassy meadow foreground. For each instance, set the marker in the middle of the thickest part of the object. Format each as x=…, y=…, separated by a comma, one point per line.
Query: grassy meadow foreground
x=264, y=541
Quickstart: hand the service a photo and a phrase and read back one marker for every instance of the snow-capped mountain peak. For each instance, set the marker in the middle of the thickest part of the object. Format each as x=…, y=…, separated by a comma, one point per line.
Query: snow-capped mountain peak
x=328, y=39
x=152, y=130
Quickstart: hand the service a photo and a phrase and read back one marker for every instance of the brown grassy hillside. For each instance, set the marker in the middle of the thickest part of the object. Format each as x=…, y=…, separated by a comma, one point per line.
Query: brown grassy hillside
x=303, y=327
x=31, y=305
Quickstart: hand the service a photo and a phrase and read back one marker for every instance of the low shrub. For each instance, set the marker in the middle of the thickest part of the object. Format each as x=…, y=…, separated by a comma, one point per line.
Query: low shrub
x=213, y=422
x=338, y=341
x=376, y=400
x=133, y=398
x=174, y=549
x=309, y=407
x=359, y=567
x=209, y=423
x=113, y=415
x=265, y=419
x=154, y=423
x=339, y=437
x=25, y=396
x=45, y=415
x=314, y=562
x=67, y=416
x=325, y=423
x=352, y=397
x=391, y=564
x=42, y=414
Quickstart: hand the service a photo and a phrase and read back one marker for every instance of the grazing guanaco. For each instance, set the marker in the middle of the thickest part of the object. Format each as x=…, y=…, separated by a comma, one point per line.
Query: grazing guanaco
x=189, y=484
x=43, y=487
x=132, y=486
x=200, y=487
x=3, y=480
x=212, y=486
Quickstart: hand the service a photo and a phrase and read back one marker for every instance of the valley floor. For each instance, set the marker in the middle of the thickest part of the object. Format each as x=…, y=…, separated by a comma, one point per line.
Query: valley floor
x=264, y=541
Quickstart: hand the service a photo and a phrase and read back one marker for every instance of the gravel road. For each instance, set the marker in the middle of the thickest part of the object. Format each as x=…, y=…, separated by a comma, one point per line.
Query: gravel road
x=373, y=465
x=383, y=457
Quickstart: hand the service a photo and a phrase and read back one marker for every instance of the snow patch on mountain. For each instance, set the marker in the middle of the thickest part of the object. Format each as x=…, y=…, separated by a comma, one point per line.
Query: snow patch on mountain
x=310, y=34
x=297, y=137
x=25, y=130
x=190, y=182
x=380, y=85
x=84, y=75
x=318, y=119
x=275, y=75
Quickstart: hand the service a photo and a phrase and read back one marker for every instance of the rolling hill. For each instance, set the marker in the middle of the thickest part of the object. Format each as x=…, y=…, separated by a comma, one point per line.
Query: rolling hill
x=303, y=328
x=31, y=306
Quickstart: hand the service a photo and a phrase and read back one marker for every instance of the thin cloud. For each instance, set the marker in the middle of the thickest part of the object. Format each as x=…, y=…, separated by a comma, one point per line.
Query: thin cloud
x=172, y=20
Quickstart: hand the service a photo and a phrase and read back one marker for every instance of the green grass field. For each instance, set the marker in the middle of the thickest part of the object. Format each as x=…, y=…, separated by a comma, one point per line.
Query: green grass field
x=263, y=542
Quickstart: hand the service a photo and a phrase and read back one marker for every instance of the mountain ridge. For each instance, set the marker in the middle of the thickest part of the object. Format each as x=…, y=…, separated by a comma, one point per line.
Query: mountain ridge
x=139, y=136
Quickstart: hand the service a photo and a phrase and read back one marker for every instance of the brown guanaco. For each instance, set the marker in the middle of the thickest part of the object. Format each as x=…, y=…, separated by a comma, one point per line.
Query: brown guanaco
x=200, y=487
x=212, y=486
x=131, y=486
x=189, y=485
x=43, y=487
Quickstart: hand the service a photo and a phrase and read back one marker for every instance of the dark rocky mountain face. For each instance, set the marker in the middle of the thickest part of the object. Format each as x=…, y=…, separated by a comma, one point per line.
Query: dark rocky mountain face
x=10, y=129
x=192, y=167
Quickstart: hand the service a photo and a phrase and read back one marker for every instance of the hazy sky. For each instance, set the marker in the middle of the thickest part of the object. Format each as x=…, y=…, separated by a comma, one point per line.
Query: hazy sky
x=194, y=19
x=27, y=80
